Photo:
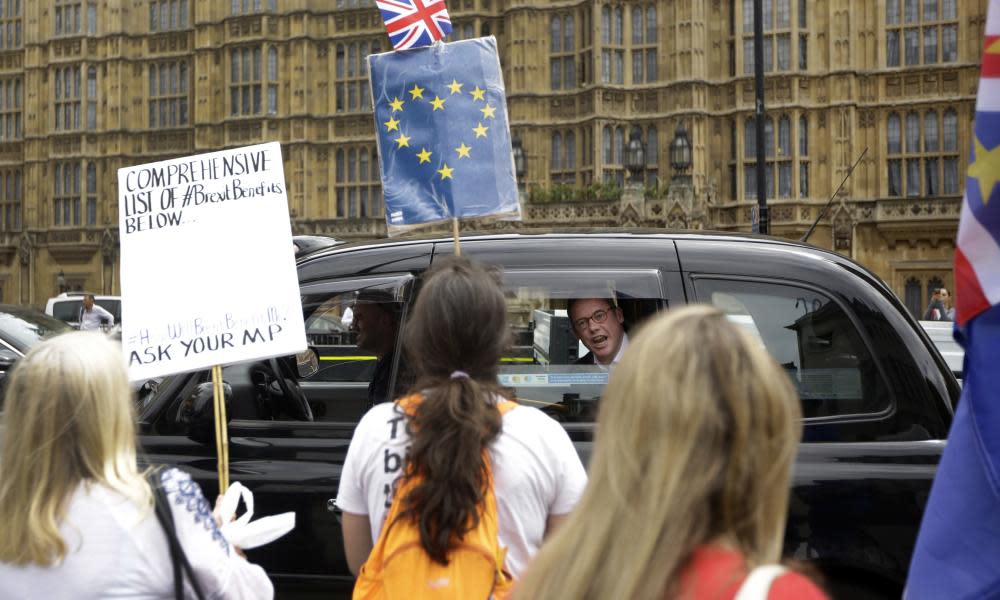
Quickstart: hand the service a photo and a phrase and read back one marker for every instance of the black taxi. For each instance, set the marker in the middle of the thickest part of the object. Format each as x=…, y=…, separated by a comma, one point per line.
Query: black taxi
x=877, y=397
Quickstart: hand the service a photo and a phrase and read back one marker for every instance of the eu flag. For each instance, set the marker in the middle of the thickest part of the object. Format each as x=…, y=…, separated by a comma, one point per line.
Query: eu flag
x=443, y=134
x=958, y=549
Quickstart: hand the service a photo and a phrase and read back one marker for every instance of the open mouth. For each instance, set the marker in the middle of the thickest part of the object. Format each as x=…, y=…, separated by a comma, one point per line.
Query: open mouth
x=599, y=339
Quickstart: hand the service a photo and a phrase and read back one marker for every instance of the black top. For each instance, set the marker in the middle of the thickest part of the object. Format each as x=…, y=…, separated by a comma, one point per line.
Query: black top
x=378, y=389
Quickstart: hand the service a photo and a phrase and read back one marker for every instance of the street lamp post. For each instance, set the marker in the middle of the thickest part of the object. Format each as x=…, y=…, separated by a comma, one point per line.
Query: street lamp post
x=680, y=154
x=635, y=156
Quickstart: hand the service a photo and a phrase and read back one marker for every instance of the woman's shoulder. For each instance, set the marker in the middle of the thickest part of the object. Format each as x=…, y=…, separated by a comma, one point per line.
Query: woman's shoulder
x=718, y=572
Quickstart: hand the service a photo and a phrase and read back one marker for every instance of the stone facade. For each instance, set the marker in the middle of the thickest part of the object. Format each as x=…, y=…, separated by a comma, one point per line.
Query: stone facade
x=89, y=86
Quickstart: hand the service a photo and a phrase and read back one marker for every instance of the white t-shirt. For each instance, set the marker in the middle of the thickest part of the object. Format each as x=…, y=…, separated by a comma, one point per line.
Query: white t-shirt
x=115, y=549
x=536, y=472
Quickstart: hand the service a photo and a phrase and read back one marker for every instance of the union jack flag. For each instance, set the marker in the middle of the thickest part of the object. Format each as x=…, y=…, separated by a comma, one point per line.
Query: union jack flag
x=414, y=23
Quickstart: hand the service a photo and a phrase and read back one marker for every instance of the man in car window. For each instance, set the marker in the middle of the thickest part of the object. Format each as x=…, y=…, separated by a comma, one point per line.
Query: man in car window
x=376, y=321
x=93, y=315
x=600, y=326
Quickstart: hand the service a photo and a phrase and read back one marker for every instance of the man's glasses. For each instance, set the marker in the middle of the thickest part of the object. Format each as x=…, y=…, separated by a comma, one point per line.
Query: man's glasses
x=599, y=316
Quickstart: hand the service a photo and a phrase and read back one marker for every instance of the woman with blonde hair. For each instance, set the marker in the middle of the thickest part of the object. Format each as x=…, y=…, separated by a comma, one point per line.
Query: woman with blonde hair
x=689, y=480
x=77, y=516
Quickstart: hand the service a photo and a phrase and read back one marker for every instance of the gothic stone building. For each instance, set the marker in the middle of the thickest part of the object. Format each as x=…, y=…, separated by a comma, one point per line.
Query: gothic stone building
x=88, y=86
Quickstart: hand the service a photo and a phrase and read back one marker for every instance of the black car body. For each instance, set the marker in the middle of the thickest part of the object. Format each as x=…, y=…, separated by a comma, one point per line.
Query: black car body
x=877, y=396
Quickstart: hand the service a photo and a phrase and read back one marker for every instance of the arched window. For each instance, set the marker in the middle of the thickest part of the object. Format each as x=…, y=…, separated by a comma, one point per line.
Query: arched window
x=605, y=24
x=803, y=136
x=570, y=150
x=556, y=34
x=894, y=134
x=912, y=132
x=606, y=142
x=184, y=78
x=651, y=24
x=950, y=131
x=618, y=36
x=637, y=29
x=340, y=166
x=914, y=297
x=652, y=148
x=769, y=137
x=750, y=139
x=556, y=151
x=785, y=136
x=931, y=142
x=619, y=145
x=568, y=31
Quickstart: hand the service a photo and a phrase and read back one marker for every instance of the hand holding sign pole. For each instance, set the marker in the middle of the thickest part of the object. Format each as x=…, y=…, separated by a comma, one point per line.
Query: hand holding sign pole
x=207, y=268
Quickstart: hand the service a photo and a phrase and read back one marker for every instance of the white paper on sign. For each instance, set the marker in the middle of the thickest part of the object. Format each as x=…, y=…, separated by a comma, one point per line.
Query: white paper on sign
x=207, y=263
x=243, y=533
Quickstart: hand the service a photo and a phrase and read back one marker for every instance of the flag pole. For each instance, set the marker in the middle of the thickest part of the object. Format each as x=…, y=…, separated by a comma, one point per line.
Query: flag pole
x=221, y=430
x=454, y=232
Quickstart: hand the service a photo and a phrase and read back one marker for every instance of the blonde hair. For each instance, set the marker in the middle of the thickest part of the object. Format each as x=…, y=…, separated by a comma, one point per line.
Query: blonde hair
x=68, y=420
x=697, y=432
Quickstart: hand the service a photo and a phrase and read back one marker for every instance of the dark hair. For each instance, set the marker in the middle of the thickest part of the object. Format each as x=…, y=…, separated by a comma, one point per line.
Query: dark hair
x=459, y=323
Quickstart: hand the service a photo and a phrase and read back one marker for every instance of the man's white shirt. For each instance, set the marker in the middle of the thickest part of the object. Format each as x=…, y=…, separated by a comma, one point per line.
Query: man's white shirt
x=91, y=319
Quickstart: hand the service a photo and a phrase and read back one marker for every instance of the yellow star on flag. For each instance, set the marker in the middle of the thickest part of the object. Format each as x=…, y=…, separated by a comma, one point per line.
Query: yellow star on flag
x=488, y=111
x=463, y=151
x=445, y=172
x=403, y=140
x=477, y=94
x=437, y=103
x=994, y=48
x=986, y=169
x=455, y=87
x=424, y=155
x=417, y=92
x=392, y=124
x=480, y=130
x=396, y=104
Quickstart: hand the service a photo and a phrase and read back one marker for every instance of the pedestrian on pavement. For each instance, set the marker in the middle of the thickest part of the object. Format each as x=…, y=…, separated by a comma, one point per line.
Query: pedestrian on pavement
x=92, y=316
x=936, y=310
x=79, y=518
x=689, y=480
x=455, y=338
x=949, y=305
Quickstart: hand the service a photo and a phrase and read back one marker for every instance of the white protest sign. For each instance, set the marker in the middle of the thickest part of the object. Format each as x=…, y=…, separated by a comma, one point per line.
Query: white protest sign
x=207, y=263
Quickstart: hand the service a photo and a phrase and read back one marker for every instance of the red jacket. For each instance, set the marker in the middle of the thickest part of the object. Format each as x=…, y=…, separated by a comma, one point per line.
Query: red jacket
x=716, y=573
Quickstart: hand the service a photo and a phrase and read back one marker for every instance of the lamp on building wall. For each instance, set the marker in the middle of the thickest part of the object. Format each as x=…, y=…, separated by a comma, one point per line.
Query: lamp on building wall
x=680, y=152
x=520, y=166
x=635, y=155
x=61, y=281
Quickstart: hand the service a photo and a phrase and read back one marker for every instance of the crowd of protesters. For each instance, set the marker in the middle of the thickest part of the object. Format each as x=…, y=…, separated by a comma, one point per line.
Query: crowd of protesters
x=686, y=497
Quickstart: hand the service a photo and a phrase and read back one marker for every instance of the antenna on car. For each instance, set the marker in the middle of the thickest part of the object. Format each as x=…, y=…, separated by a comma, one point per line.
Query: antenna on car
x=822, y=213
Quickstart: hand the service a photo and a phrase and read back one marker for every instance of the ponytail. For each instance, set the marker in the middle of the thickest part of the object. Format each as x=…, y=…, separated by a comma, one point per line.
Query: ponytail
x=452, y=428
x=455, y=338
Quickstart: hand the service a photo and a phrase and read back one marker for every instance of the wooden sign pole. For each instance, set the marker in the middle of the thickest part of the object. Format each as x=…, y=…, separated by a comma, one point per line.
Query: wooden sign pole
x=221, y=429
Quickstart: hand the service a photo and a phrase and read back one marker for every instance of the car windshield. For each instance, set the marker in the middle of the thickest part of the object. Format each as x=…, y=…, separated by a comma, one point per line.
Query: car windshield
x=25, y=328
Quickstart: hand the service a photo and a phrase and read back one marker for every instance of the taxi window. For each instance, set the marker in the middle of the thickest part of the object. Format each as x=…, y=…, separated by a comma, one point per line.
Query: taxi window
x=549, y=366
x=811, y=337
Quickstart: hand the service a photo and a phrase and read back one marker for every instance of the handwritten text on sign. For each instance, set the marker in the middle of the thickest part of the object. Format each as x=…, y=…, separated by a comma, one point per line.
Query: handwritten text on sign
x=208, y=269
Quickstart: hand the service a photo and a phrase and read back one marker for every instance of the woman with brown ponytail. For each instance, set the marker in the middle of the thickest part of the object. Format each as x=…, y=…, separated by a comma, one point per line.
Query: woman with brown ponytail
x=454, y=340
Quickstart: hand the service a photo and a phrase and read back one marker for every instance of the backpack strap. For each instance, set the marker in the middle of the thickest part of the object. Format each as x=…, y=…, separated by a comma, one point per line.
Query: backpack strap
x=757, y=585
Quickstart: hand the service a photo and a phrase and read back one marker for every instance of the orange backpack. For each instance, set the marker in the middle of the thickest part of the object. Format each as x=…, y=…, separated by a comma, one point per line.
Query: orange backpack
x=398, y=566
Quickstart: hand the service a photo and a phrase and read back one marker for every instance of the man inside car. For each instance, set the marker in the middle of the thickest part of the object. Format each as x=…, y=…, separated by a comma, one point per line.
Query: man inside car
x=600, y=325
x=376, y=323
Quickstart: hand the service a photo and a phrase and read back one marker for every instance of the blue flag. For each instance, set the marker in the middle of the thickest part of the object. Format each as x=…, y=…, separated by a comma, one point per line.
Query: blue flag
x=443, y=134
x=957, y=555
